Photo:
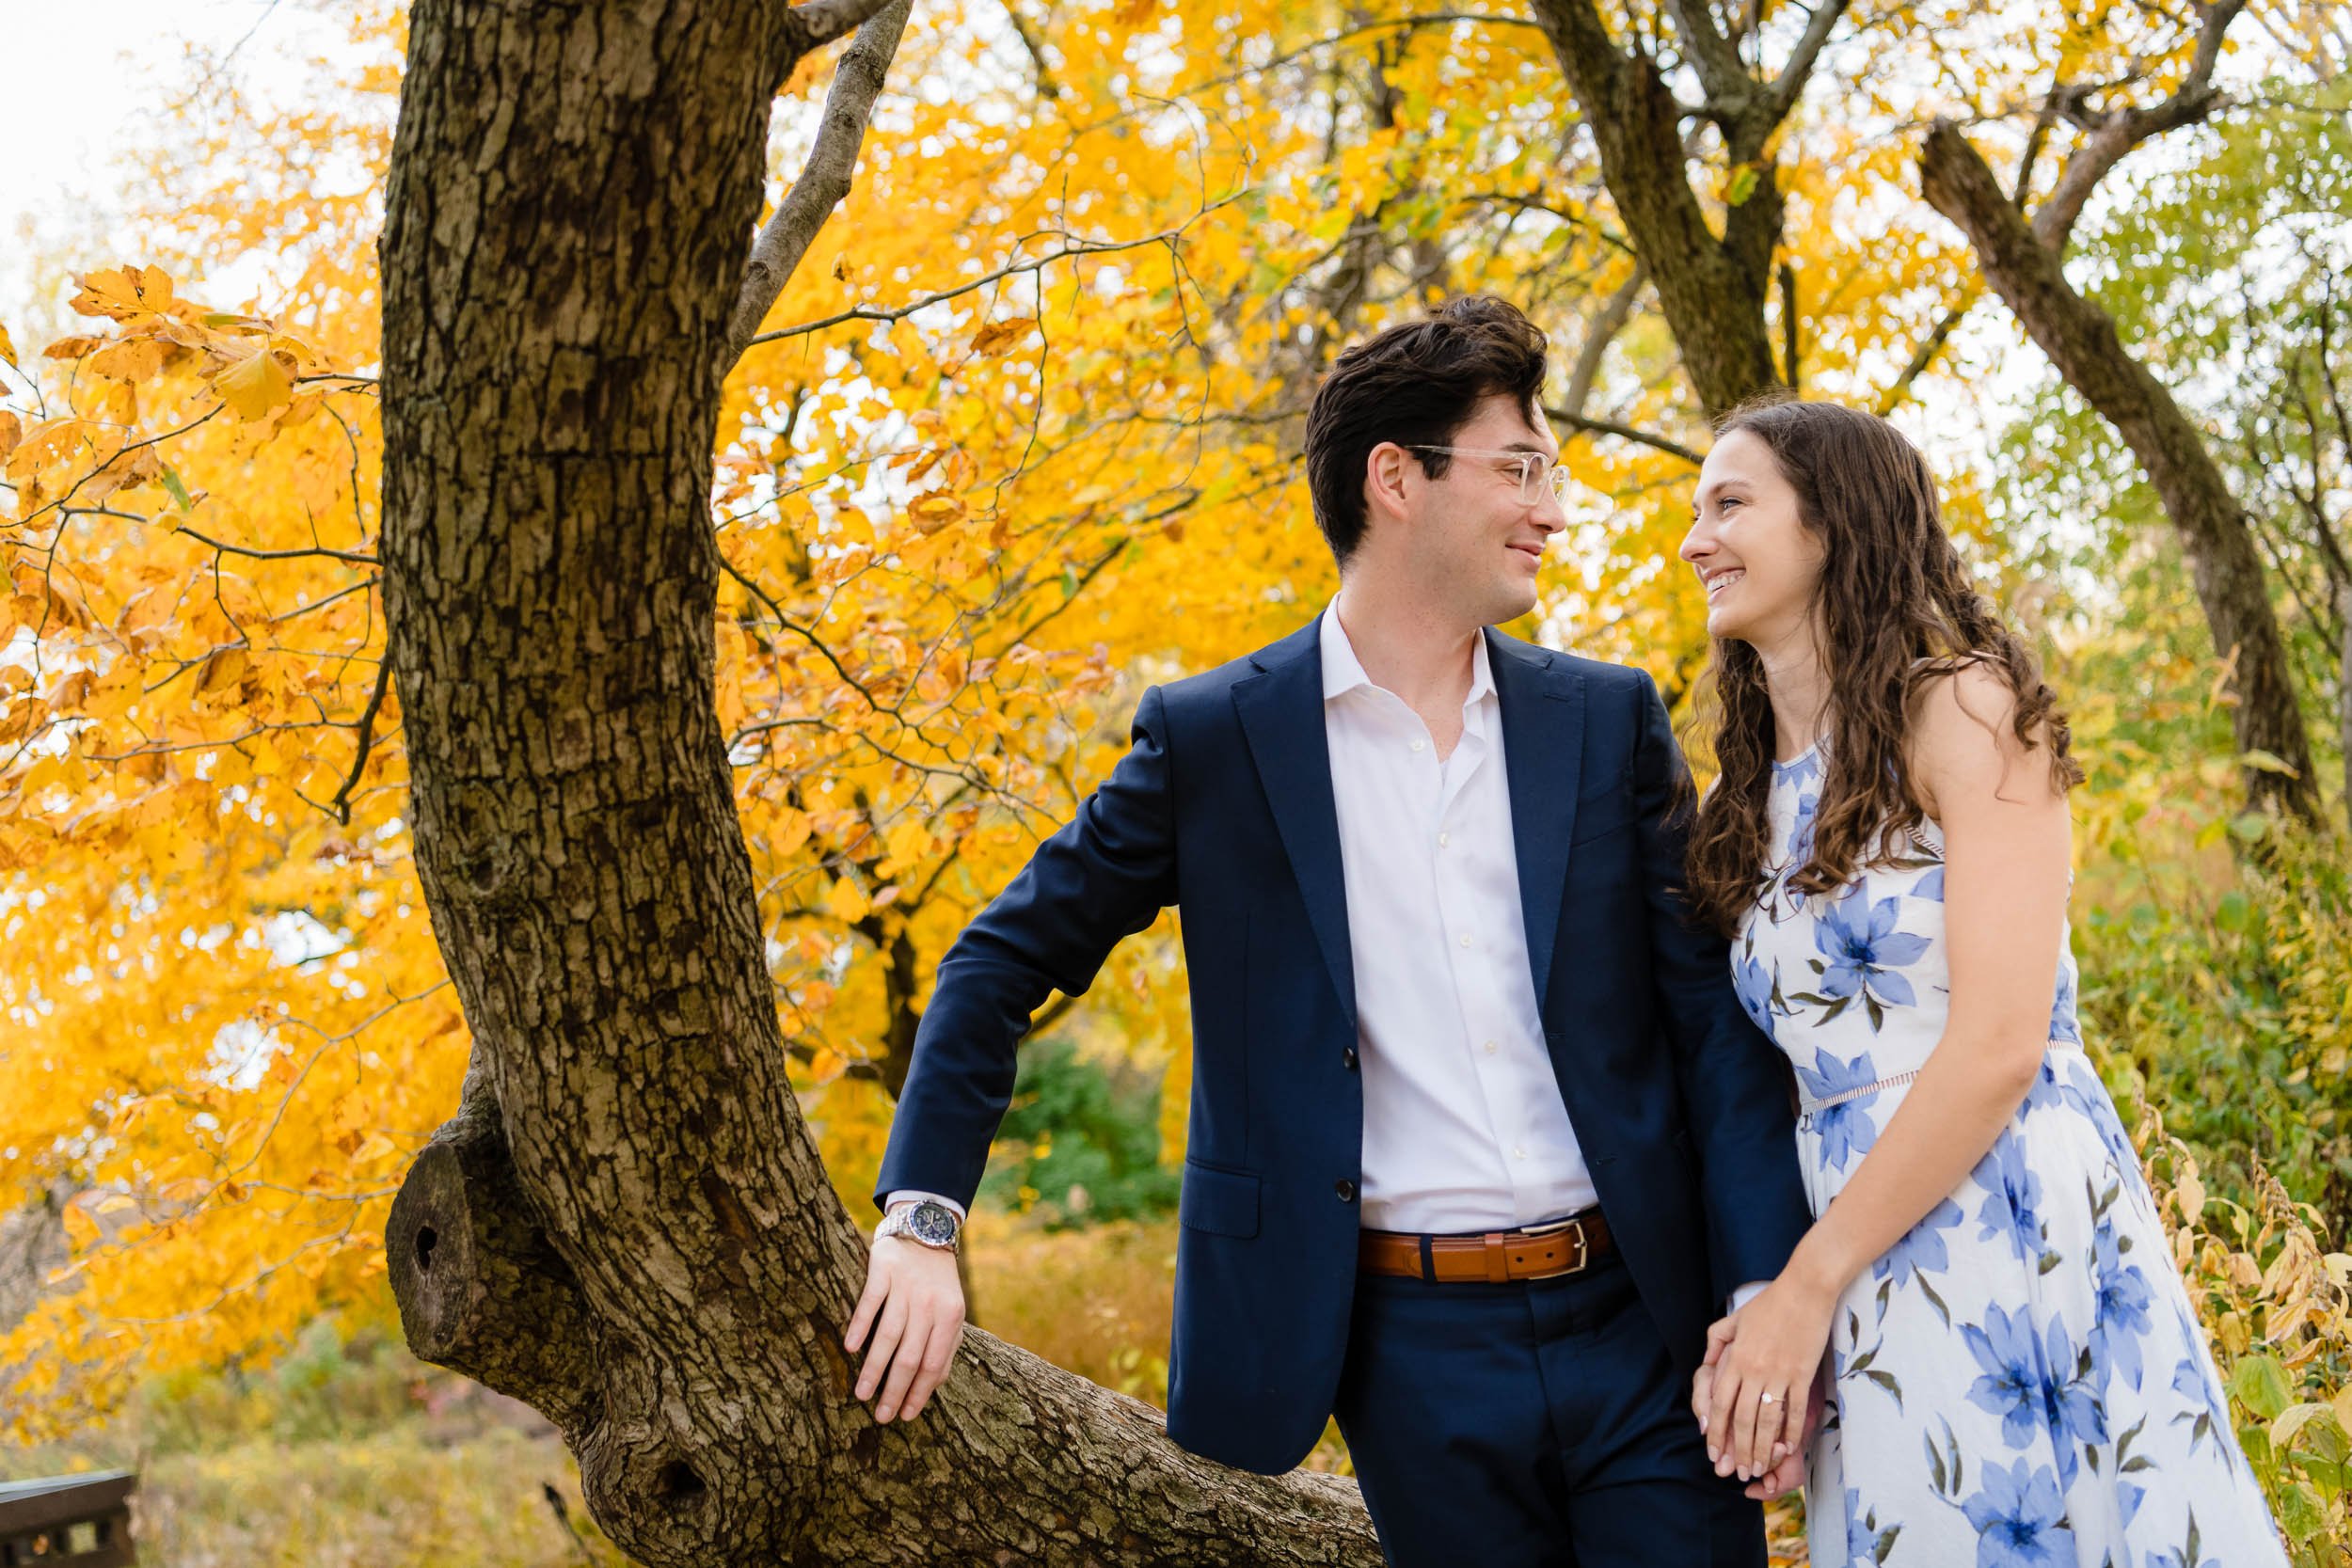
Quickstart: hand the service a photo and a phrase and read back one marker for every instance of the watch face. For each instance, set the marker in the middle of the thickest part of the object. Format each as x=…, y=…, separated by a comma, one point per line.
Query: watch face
x=934, y=1223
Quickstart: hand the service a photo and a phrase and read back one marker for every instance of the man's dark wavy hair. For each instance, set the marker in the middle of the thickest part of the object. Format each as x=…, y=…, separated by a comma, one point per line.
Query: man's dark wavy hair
x=1417, y=385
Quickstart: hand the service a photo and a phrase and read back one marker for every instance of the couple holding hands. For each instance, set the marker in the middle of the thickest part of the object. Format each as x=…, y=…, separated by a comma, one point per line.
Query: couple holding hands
x=1607, y=1160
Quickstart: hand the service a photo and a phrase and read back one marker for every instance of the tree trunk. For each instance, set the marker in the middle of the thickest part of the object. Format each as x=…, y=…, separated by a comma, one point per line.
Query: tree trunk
x=627, y=1225
x=2081, y=341
x=1711, y=290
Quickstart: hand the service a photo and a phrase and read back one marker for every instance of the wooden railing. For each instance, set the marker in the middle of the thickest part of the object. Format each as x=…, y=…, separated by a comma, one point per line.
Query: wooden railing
x=73, y=1521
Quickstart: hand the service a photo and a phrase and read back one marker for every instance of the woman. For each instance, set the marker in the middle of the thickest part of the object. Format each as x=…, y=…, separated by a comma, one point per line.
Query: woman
x=2015, y=1375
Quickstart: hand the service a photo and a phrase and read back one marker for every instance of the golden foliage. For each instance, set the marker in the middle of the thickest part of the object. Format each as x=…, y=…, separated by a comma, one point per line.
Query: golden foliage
x=1018, y=437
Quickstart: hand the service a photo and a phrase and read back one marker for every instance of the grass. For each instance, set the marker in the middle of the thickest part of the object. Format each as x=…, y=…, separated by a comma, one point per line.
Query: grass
x=345, y=1453
x=388, y=1498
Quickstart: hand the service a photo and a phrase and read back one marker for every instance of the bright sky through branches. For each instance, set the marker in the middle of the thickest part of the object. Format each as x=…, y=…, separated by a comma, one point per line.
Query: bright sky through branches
x=89, y=85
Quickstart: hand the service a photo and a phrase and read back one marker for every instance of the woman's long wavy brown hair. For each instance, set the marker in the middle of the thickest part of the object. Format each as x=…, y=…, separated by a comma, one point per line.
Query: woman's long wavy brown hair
x=1894, y=608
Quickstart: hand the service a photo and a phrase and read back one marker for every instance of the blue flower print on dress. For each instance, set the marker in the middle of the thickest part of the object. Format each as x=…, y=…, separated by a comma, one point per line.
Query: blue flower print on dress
x=2063, y=1025
x=2207, y=1411
x=2125, y=1297
x=2020, y=1519
x=1801, y=835
x=1847, y=1130
x=1861, y=949
x=2049, y=1088
x=2189, y=1555
x=1922, y=1249
x=2035, y=1386
x=1799, y=770
x=1867, y=1541
x=1930, y=886
x=1755, y=987
x=2010, y=1387
x=2011, y=1210
x=1806, y=770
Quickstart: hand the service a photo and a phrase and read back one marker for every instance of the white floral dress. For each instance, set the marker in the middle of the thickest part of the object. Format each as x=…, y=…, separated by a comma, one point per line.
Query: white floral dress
x=2020, y=1382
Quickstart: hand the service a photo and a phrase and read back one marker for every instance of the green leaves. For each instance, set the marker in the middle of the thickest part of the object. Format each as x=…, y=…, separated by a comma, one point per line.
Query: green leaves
x=2261, y=1384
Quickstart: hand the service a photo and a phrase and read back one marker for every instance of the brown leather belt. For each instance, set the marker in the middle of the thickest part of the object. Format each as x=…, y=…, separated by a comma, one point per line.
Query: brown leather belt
x=1537, y=1252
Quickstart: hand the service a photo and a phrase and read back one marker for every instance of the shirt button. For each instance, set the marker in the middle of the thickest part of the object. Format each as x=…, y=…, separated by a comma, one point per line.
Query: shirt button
x=1466, y=939
x=1444, y=839
x=1518, y=1154
x=1490, y=1048
x=1347, y=1191
x=1417, y=745
x=1348, y=1058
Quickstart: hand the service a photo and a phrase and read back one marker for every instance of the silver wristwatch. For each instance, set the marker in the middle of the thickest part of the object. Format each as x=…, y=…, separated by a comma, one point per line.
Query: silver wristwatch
x=926, y=1223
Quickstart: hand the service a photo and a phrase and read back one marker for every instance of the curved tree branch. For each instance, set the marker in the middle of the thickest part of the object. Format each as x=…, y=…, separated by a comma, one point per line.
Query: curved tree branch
x=825, y=178
x=817, y=24
x=2114, y=133
x=1605, y=326
x=1626, y=432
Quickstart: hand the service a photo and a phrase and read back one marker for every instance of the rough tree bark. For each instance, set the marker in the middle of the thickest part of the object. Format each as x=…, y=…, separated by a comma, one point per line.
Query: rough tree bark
x=2023, y=260
x=1711, y=289
x=627, y=1224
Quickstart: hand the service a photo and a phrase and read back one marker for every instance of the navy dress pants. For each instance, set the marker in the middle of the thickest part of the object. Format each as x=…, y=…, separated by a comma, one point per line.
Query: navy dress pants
x=1534, y=1424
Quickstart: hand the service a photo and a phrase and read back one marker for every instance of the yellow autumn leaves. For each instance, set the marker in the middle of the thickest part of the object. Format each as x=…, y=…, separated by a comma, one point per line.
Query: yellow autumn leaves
x=163, y=343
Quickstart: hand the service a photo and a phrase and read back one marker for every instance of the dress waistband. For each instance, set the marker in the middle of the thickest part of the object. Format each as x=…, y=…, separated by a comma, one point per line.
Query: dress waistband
x=1806, y=1104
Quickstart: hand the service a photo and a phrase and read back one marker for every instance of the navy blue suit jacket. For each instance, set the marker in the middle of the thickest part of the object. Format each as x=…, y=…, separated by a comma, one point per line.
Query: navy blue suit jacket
x=1223, y=806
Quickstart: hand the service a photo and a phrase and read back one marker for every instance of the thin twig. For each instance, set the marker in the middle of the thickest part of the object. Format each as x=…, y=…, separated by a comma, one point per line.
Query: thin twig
x=900, y=312
x=367, y=735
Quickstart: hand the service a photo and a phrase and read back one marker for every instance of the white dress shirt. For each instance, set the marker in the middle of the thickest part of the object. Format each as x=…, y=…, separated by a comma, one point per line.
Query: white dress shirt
x=1464, y=1125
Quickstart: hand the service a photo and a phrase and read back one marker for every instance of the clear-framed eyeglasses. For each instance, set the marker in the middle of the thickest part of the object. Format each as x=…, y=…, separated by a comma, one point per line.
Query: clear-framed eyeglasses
x=1535, y=472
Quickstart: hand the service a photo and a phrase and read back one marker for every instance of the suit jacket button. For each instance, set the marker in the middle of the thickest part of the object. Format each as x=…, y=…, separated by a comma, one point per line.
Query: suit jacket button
x=1348, y=1058
x=1347, y=1191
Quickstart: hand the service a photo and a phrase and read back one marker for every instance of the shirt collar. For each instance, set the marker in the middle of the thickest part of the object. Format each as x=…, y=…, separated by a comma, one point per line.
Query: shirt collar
x=1342, y=672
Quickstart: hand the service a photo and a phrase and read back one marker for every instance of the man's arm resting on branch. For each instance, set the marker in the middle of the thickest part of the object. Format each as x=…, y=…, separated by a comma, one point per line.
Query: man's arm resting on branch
x=1103, y=877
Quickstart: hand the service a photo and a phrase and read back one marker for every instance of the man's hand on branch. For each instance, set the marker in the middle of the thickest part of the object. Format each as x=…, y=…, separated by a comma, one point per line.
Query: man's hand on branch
x=913, y=1307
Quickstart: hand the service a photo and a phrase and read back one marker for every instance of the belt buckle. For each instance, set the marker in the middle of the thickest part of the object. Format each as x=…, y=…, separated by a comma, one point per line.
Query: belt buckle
x=1560, y=1227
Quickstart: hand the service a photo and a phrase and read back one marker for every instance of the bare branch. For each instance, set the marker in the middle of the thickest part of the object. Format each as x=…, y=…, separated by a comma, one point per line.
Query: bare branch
x=367, y=738
x=1013, y=269
x=1031, y=41
x=825, y=178
x=356, y=558
x=2115, y=133
x=819, y=21
x=1614, y=314
x=1624, y=432
x=2083, y=346
x=1712, y=56
x=1789, y=84
x=1924, y=356
x=1789, y=342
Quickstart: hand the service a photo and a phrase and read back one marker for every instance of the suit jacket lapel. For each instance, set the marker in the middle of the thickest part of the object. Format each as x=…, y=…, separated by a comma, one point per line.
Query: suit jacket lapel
x=1543, y=746
x=1282, y=713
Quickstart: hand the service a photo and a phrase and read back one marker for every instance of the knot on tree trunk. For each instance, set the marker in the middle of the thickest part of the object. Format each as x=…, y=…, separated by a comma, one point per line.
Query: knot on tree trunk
x=668, y=1491
x=480, y=1289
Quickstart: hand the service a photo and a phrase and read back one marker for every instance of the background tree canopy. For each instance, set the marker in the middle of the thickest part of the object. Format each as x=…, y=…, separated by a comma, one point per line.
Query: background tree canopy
x=846, y=490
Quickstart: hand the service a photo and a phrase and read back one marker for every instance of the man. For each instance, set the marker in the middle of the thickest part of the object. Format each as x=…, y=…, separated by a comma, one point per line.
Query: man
x=1481, y=1139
